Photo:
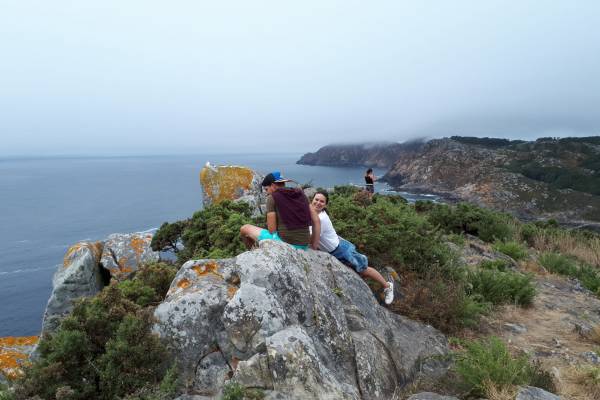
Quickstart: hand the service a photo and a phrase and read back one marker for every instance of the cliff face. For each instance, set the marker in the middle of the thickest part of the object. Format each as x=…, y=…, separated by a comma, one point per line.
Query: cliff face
x=381, y=155
x=514, y=178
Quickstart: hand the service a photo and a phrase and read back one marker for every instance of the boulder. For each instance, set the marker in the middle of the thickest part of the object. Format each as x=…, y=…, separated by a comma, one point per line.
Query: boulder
x=430, y=396
x=297, y=324
x=533, y=393
x=229, y=182
x=125, y=252
x=78, y=276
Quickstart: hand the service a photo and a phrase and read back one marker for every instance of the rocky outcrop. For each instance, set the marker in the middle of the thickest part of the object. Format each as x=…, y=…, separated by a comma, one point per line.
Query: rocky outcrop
x=533, y=393
x=482, y=175
x=297, y=324
x=79, y=276
x=228, y=182
x=124, y=253
x=87, y=267
x=14, y=352
x=381, y=155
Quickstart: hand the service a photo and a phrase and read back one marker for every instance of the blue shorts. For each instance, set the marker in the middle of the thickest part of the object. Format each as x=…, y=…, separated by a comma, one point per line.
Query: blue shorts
x=347, y=254
x=266, y=235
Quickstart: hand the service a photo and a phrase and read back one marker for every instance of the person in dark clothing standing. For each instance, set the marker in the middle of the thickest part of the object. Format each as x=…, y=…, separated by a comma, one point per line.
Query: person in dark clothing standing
x=370, y=181
x=289, y=217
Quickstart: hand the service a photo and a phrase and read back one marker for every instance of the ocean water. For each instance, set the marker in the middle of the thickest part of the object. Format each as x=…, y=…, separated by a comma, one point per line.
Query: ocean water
x=47, y=204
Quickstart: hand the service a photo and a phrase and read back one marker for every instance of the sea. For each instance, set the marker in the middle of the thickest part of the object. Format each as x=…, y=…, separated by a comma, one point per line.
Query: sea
x=48, y=204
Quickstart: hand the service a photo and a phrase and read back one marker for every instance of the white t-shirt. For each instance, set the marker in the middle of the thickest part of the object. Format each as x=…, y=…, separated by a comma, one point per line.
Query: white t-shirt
x=329, y=239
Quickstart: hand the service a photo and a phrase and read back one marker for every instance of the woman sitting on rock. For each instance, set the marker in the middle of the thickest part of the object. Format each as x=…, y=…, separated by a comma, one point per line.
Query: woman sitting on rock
x=343, y=250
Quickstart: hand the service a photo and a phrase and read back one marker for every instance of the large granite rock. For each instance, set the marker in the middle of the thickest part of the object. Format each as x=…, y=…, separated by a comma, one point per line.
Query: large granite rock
x=79, y=276
x=297, y=324
x=533, y=393
x=125, y=252
x=229, y=182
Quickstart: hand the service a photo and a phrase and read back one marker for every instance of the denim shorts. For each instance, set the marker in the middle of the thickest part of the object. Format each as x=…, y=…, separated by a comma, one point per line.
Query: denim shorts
x=266, y=235
x=347, y=254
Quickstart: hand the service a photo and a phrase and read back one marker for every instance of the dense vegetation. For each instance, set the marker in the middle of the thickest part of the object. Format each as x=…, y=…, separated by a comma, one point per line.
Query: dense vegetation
x=105, y=348
x=493, y=143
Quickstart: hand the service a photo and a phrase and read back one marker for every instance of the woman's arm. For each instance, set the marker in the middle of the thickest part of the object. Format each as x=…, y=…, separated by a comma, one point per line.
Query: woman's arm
x=316, y=229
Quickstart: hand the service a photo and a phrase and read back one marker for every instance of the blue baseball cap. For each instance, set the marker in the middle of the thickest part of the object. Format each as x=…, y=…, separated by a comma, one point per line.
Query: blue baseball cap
x=273, y=177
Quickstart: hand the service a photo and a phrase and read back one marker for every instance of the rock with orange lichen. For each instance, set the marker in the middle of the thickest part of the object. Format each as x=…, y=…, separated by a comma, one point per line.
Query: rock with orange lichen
x=232, y=183
x=14, y=354
x=79, y=276
x=297, y=324
x=123, y=253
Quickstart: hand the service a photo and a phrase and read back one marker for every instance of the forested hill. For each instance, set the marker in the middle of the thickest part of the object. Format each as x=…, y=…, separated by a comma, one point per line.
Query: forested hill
x=381, y=154
x=549, y=177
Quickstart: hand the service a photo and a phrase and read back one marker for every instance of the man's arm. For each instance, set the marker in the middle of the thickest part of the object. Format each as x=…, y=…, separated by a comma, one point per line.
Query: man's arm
x=272, y=221
x=316, y=229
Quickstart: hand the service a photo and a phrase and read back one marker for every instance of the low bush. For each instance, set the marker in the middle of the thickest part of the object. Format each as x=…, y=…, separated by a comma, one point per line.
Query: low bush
x=213, y=232
x=488, y=225
x=512, y=249
x=488, y=361
x=105, y=348
x=501, y=287
x=558, y=263
x=563, y=265
x=235, y=391
x=494, y=265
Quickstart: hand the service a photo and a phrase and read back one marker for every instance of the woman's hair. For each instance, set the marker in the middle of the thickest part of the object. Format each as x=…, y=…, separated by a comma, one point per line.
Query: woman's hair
x=369, y=171
x=324, y=193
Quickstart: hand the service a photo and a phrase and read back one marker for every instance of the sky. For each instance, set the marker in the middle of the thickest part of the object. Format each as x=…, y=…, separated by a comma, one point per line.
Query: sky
x=157, y=77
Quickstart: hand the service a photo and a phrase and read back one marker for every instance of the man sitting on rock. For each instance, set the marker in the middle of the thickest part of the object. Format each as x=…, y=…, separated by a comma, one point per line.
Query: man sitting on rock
x=289, y=217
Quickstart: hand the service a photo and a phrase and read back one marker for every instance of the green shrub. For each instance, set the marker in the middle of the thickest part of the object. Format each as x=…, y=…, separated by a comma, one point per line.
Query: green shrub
x=457, y=239
x=514, y=250
x=589, y=278
x=345, y=190
x=502, y=287
x=5, y=393
x=390, y=234
x=235, y=391
x=488, y=225
x=494, y=265
x=529, y=232
x=489, y=361
x=558, y=263
x=211, y=233
x=168, y=236
x=105, y=348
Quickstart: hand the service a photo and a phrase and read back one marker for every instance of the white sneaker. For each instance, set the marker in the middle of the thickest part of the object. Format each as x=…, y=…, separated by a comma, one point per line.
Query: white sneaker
x=389, y=293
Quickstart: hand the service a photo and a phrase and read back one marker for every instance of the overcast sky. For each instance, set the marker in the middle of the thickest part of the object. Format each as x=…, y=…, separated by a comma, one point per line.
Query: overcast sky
x=134, y=77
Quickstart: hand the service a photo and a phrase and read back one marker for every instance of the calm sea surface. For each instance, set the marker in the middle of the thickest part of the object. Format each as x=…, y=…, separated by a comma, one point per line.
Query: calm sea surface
x=48, y=204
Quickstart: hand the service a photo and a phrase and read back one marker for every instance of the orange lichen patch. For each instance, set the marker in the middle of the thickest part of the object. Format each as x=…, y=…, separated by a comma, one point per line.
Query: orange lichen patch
x=231, y=291
x=137, y=244
x=184, y=283
x=96, y=249
x=210, y=267
x=12, y=356
x=123, y=266
x=225, y=182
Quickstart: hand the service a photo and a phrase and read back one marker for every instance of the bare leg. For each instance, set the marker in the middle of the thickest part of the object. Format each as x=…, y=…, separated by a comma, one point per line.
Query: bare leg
x=375, y=275
x=249, y=235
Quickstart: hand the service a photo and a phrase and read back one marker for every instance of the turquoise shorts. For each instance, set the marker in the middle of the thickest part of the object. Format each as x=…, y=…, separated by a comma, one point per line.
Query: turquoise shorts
x=266, y=235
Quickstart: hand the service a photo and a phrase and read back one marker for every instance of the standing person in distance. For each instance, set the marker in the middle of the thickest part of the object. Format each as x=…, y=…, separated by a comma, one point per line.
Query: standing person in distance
x=370, y=179
x=343, y=250
x=289, y=217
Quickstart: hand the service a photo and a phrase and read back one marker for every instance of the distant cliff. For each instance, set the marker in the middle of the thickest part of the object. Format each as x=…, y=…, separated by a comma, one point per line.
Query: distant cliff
x=381, y=155
x=553, y=178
